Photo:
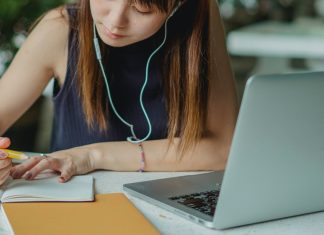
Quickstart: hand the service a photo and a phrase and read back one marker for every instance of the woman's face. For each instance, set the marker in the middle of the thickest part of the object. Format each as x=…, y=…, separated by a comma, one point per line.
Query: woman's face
x=120, y=23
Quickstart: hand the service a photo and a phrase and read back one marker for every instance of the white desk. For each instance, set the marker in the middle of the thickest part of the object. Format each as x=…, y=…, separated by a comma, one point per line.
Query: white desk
x=168, y=223
x=274, y=43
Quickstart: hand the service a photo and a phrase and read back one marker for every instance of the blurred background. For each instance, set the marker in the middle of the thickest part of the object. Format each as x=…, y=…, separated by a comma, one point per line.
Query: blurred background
x=263, y=36
x=32, y=131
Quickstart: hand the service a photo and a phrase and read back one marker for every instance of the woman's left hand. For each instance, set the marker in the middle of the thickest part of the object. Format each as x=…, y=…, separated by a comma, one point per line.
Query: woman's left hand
x=67, y=162
x=5, y=162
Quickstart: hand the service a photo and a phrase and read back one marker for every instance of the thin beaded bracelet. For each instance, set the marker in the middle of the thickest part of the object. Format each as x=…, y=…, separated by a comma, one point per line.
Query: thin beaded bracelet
x=142, y=166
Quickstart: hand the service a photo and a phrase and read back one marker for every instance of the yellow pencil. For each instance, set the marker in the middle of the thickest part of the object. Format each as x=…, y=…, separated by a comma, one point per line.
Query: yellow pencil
x=15, y=154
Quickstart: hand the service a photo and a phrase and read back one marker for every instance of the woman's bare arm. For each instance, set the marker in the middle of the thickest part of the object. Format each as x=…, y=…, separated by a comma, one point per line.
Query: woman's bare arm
x=42, y=56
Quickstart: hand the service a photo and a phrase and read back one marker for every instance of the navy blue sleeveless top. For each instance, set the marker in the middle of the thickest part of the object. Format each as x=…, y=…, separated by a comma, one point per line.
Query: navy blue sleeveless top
x=126, y=77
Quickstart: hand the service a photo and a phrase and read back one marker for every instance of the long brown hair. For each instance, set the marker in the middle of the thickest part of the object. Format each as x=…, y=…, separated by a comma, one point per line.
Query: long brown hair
x=185, y=69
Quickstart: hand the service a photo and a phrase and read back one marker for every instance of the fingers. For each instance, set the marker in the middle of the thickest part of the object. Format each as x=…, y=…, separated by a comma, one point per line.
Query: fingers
x=4, y=176
x=33, y=167
x=19, y=170
x=4, y=142
x=62, y=162
x=5, y=170
x=42, y=165
x=3, y=155
x=4, y=163
x=66, y=174
x=53, y=164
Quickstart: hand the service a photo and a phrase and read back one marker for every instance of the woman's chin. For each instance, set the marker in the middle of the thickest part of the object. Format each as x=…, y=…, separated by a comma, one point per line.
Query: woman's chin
x=117, y=43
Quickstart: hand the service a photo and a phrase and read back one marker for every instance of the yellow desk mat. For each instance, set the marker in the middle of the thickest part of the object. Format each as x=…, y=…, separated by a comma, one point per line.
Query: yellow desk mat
x=108, y=214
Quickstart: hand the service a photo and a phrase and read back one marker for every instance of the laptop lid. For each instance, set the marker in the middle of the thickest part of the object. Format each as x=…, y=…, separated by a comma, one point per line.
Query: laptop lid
x=276, y=163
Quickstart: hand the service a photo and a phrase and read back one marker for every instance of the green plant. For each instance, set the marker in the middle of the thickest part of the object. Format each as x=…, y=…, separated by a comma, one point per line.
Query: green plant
x=16, y=16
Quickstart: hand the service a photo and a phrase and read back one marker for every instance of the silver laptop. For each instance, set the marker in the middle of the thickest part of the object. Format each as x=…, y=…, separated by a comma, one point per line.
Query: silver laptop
x=276, y=162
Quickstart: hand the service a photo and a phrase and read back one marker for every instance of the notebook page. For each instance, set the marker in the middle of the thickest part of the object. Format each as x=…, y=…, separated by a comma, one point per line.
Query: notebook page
x=79, y=188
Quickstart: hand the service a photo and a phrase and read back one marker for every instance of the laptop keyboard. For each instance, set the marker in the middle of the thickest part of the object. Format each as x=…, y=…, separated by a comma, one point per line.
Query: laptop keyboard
x=204, y=202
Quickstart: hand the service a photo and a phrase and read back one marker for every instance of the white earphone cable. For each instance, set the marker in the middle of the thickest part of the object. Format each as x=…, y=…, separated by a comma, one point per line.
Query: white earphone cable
x=133, y=139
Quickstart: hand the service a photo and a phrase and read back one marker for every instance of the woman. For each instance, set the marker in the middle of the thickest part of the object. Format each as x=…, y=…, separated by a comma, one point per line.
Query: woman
x=181, y=119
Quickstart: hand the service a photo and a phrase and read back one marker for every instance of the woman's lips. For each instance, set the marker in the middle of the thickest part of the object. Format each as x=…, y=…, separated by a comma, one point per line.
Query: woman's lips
x=112, y=35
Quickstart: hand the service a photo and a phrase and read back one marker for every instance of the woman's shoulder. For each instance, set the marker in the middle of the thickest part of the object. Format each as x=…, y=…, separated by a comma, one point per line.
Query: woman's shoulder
x=49, y=39
x=55, y=19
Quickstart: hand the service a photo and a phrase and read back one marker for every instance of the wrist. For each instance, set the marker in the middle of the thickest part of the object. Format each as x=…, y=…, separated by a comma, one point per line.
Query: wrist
x=94, y=158
x=99, y=158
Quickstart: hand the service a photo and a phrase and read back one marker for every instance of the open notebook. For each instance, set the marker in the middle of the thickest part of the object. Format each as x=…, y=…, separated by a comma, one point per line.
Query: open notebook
x=79, y=188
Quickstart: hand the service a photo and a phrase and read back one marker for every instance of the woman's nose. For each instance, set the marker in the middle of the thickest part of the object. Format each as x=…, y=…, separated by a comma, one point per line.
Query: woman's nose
x=118, y=17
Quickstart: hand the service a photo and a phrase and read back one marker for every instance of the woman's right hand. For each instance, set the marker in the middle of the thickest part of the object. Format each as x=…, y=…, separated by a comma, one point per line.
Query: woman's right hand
x=5, y=162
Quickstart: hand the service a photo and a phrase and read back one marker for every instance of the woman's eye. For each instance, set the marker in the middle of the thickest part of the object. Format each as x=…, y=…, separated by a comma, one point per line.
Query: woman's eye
x=142, y=9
